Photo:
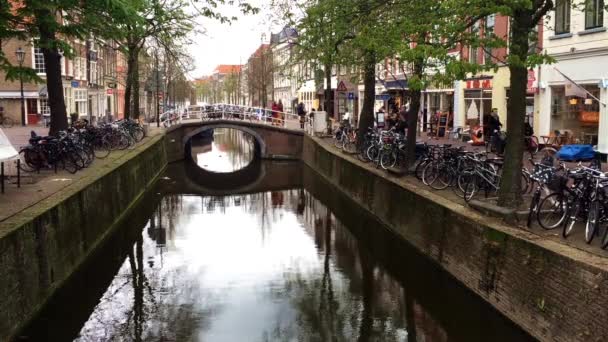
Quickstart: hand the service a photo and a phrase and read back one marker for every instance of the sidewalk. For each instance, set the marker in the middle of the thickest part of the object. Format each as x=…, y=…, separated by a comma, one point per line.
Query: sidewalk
x=576, y=240
x=36, y=187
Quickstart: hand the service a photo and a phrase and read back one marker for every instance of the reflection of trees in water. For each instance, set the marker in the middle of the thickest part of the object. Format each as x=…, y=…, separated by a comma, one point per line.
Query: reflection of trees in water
x=149, y=301
x=361, y=302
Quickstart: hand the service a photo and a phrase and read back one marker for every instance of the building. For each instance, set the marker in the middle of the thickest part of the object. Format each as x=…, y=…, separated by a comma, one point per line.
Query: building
x=259, y=77
x=285, y=71
x=227, y=79
x=578, y=42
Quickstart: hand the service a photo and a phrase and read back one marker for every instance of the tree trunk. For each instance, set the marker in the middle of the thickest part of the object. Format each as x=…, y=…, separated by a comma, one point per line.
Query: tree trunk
x=412, y=116
x=135, y=113
x=366, y=118
x=327, y=101
x=54, y=84
x=509, y=194
x=131, y=61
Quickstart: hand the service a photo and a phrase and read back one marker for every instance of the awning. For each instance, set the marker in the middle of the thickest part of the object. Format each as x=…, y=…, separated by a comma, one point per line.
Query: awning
x=17, y=94
x=396, y=84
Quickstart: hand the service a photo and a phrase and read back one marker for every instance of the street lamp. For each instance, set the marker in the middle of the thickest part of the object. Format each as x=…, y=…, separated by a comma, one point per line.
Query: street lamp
x=20, y=58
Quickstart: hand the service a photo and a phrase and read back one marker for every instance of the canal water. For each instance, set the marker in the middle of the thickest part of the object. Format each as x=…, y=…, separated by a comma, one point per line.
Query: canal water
x=285, y=258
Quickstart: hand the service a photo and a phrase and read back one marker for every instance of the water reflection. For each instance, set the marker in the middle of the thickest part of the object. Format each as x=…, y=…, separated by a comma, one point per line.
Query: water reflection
x=268, y=266
x=223, y=150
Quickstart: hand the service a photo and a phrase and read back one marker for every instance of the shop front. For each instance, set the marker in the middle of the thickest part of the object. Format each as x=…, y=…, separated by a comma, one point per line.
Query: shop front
x=574, y=98
x=477, y=101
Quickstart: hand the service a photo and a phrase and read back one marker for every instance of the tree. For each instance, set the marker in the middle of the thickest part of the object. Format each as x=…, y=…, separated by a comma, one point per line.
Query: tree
x=324, y=28
x=525, y=16
x=55, y=24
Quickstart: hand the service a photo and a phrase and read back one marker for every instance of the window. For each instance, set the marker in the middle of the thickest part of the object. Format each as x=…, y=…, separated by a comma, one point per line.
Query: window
x=93, y=72
x=39, y=61
x=488, y=31
x=83, y=69
x=562, y=16
x=594, y=14
x=62, y=62
x=473, y=50
x=43, y=104
x=77, y=68
x=80, y=98
x=70, y=70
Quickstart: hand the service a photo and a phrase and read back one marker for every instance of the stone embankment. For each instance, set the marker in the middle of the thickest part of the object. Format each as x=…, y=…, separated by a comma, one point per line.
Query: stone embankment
x=553, y=291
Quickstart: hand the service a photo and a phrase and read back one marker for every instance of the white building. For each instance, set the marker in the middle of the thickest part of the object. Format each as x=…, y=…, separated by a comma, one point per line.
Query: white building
x=285, y=72
x=579, y=43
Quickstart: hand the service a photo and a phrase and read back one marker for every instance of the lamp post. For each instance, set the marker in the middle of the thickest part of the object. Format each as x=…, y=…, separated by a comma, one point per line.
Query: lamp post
x=20, y=58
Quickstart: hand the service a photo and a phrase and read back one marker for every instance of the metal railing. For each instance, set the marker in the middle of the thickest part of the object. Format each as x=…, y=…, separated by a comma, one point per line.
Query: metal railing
x=223, y=111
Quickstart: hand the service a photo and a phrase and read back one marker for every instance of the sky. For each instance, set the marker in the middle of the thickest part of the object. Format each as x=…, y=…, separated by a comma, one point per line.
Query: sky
x=230, y=43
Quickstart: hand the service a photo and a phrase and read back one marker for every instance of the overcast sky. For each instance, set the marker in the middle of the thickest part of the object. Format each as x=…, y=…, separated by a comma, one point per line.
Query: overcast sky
x=230, y=43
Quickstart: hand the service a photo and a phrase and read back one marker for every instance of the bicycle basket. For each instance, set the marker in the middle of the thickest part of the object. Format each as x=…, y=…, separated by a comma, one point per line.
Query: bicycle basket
x=557, y=182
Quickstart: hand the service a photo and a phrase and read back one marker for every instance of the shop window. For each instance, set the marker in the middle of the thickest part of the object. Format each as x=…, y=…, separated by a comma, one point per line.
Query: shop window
x=579, y=117
x=478, y=105
x=562, y=16
x=594, y=14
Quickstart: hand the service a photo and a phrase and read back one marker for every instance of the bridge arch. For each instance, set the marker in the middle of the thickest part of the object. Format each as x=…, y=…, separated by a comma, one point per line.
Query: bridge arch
x=261, y=150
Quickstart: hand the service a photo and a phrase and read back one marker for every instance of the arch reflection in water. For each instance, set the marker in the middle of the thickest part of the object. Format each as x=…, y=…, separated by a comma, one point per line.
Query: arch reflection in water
x=223, y=150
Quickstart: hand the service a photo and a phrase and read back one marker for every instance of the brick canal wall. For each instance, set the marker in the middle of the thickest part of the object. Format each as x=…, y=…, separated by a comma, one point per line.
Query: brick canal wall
x=552, y=291
x=43, y=245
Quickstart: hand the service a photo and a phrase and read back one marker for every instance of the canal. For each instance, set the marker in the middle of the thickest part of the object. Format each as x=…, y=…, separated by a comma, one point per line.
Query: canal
x=286, y=259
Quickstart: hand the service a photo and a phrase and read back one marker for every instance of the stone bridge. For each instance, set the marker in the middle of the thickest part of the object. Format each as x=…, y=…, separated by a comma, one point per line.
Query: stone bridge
x=190, y=179
x=271, y=141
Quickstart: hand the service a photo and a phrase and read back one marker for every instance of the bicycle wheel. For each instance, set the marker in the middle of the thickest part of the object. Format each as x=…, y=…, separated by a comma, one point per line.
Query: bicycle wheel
x=443, y=179
x=70, y=163
x=350, y=146
x=338, y=140
x=420, y=168
x=551, y=211
x=605, y=239
x=593, y=221
x=102, y=148
x=571, y=218
x=362, y=153
x=138, y=133
x=388, y=160
x=8, y=122
x=31, y=160
x=462, y=181
x=430, y=173
x=534, y=203
x=471, y=188
x=373, y=152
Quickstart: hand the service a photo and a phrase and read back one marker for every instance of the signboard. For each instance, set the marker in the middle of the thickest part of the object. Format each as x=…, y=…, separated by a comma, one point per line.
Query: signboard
x=75, y=84
x=112, y=85
x=380, y=119
x=342, y=86
x=479, y=84
x=351, y=96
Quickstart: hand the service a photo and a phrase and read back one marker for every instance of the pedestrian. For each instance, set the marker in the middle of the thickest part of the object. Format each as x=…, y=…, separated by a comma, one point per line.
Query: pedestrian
x=494, y=126
x=280, y=114
x=275, y=112
x=301, y=110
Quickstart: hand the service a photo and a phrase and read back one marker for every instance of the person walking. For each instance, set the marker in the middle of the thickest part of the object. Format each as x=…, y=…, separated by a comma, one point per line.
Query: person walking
x=275, y=112
x=301, y=110
x=280, y=114
x=494, y=126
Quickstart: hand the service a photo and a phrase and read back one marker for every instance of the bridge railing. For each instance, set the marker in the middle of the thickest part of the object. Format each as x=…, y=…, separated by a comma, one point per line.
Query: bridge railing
x=223, y=111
